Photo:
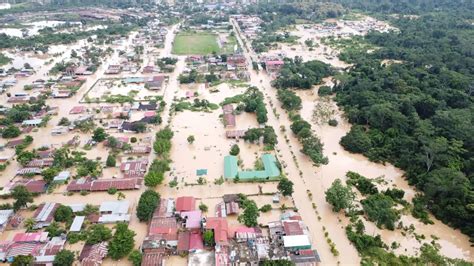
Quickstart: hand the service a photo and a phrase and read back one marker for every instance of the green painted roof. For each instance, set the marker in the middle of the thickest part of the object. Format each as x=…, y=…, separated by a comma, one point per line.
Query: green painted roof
x=269, y=162
x=230, y=166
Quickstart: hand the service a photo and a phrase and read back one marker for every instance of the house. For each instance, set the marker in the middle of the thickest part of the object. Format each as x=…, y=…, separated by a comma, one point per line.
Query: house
x=59, y=130
x=77, y=110
x=235, y=134
x=41, y=163
x=220, y=228
x=191, y=219
x=61, y=94
x=296, y=242
x=229, y=120
x=92, y=255
x=147, y=107
x=236, y=62
x=114, y=211
x=14, y=143
x=62, y=177
x=32, y=122
x=5, y=216
x=113, y=69
x=155, y=82
x=41, y=237
x=184, y=204
x=305, y=257
x=274, y=66
x=87, y=184
x=136, y=165
x=44, y=214
x=270, y=164
x=77, y=224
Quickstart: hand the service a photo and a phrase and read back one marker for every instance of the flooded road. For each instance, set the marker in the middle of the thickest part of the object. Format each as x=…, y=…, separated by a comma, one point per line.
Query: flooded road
x=318, y=179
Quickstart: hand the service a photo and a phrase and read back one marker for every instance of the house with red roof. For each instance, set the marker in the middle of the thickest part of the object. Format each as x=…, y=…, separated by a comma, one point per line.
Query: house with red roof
x=274, y=66
x=184, y=204
x=220, y=228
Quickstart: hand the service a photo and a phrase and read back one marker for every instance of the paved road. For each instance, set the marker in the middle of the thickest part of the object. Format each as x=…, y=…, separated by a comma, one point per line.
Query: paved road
x=301, y=164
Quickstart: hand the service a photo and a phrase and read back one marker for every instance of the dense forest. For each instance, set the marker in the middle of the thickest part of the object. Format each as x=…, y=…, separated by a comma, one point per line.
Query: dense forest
x=418, y=113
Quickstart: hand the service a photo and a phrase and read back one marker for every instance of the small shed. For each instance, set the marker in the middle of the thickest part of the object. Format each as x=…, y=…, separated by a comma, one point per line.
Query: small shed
x=62, y=177
x=77, y=224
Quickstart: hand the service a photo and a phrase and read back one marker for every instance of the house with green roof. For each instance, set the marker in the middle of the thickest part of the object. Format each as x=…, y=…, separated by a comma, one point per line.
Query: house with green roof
x=270, y=171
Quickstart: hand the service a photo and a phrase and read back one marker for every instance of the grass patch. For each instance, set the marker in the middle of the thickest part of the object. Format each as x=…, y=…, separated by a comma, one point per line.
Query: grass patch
x=195, y=43
x=4, y=59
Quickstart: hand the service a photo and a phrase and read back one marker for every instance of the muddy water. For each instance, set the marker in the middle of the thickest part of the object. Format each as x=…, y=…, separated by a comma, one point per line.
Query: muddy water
x=452, y=242
x=317, y=180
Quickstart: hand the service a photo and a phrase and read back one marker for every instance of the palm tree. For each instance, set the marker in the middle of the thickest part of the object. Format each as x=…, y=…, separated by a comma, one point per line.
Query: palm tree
x=29, y=224
x=120, y=195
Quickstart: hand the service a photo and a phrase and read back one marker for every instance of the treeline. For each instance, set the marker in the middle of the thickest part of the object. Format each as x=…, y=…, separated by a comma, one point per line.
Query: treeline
x=302, y=75
x=419, y=113
x=280, y=15
x=51, y=38
x=407, y=6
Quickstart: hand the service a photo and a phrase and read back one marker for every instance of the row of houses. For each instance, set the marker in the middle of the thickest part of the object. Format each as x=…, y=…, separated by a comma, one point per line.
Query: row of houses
x=177, y=228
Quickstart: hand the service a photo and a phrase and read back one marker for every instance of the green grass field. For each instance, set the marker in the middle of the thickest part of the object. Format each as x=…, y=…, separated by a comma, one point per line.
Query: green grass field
x=200, y=43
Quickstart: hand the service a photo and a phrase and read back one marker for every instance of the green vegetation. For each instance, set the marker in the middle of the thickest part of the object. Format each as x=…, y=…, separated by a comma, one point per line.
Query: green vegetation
x=122, y=242
x=97, y=233
x=362, y=183
x=203, y=207
x=289, y=100
x=147, y=204
x=312, y=145
x=234, y=150
x=285, y=186
x=111, y=161
x=153, y=179
x=195, y=43
x=418, y=114
x=22, y=197
x=303, y=75
x=268, y=133
x=162, y=144
x=252, y=102
x=135, y=257
x=251, y=213
x=64, y=258
x=339, y=196
x=4, y=59
x=379, y=209
x=63, y=214
x=208, y=237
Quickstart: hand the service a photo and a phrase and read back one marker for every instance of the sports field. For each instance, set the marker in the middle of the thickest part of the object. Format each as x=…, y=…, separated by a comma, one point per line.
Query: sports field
x=200, y=43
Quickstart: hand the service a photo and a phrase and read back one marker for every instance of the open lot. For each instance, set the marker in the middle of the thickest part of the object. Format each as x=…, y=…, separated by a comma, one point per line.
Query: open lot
x=198, y=43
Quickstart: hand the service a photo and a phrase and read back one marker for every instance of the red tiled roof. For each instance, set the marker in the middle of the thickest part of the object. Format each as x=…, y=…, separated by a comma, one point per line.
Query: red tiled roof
x=183, y=240
x=220, y=227
x=185, y=204
x=77, y=110
x=292, y=228
x=153, y=257
x=229, y=120
x=195, y=241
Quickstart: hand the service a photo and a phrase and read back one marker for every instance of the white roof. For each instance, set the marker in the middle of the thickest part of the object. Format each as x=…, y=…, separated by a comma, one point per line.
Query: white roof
x=32, y=122
x=296, y=241
x=77, y=224
x=113, y=218
x=115, y=207
x=63, y=176
x=5, y=215
x=77, y=207
x=45, y=212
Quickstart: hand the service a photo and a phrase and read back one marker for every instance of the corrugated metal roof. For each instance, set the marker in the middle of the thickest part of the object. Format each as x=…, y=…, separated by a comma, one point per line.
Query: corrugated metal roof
x=77, y=224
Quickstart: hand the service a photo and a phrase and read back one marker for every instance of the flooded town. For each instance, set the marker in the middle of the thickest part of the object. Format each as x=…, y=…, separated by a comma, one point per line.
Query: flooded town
x=209, y=134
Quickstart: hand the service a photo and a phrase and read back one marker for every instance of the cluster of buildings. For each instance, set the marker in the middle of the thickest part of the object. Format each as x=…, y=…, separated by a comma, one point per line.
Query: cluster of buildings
x=349, y=28
x=226, y=67
x=178, y=228
x=249, y=25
